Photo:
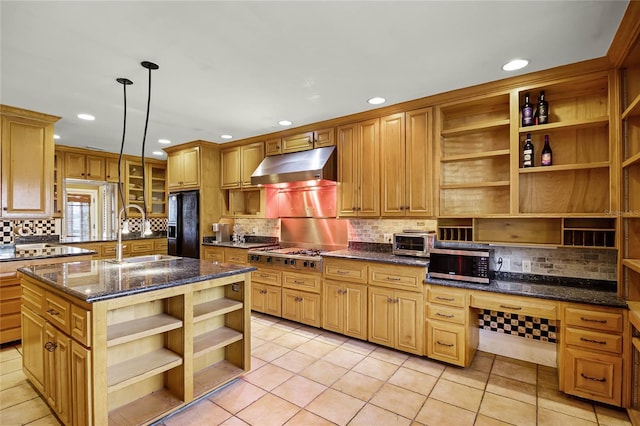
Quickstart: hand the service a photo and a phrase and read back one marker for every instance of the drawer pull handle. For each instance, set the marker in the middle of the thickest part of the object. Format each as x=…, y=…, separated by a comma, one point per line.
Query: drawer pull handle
x=50, y=346
x=389, y=300
x=342, y=272
x=515, y=308
x=298, y=282
x=604, y=321
x=449, y=345
x=52, y=312
x=444, y=315
x=393, y=279
x=595, y=379
x=448, y=299
x=593, y=341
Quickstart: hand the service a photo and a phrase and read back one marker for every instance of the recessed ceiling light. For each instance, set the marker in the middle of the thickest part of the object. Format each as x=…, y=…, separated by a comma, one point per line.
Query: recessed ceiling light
x=226, y=136
x=88, y=117
x=164, y=141
x=160, y=153
x=285, y=123
x=515, y=64
x=56, y=136
x=376, y=100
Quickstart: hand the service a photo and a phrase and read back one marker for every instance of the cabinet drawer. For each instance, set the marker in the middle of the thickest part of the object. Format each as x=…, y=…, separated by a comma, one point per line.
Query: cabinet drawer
x=80, y=320
x=593, y=340
x=403, y=278
x=593, y=376
x=10, y=292
x=301, y=282
x=11, y=306
x=446, y=342
x=444, y=313
x=517, y=305
x=57, y=311
x=267, y=277
x=448, y=296
x=160, y=246
x=344, y=270
x=33, y=297
x=238, y=256
x=214, y=254
x=8, y=321
x=140, y=247
x=109, y=250
x=597, y=320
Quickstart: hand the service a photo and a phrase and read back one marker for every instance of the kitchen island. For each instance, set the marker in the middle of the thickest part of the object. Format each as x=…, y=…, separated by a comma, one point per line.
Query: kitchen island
x=129, y=343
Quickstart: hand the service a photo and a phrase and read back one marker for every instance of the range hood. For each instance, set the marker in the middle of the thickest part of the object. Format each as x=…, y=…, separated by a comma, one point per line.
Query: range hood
x=314, y=164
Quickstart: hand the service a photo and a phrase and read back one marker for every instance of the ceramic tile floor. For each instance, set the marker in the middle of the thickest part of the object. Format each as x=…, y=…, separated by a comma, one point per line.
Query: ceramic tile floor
x=307, y=376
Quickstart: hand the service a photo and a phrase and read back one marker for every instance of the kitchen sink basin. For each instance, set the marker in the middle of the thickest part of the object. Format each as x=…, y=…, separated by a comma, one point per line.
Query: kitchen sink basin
x=144, y=259
x=35, y=246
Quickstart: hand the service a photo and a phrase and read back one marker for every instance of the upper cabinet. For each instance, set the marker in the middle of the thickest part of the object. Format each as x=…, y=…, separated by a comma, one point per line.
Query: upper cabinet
x=146, y=184
x=405, y=147
x=238, y=163
x=84, y=166
x=301, y=142
x=358, y=146
x=27, y=158
x=111, y=168
x=183, y=168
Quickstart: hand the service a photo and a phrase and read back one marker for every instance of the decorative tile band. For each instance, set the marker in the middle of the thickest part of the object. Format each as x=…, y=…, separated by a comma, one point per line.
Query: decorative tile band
x=533, y=328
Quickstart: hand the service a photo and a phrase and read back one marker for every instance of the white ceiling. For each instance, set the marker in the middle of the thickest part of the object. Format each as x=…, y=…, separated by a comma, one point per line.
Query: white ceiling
x=239, y=67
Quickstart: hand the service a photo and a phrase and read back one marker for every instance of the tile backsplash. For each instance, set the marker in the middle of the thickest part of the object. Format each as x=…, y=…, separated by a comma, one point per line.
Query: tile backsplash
x=373, y=230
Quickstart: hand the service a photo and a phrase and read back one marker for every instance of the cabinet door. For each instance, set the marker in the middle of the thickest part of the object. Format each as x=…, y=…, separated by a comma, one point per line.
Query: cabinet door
x=80, y=367
x=348, y=170
x=213, y=254
x=417, y=166
x=409, y=330
x=191, y=167
x=309, y=308
x=58, y=172
x=57, y=375
x=258, y=297
x=74, y=165
x=369, y=175
x=290, y=305
x=381, y=316
x=33, y=339
x=156, y=190
x=295, y=143
x=324, y=137
x=273, y=147
x=445, y=342
x=355, y=310
x=27, y=168
x=95, y=167
x=175, y=170
x=273, y=301
x=251, y=156
x=392, y=150
x=593, y=375
x=111, y=170
x=333, y=306
x=230, y=168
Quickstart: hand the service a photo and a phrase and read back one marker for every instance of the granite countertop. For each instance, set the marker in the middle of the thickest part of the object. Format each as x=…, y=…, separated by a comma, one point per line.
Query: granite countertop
x=97, y=280
x=374, y=256
x=10, y=253
x=554, y=288
x=125, y=237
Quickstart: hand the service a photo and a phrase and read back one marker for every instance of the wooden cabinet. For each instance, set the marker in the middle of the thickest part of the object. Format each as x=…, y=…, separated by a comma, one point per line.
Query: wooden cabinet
x=57, y=390
x=591, y=353
x=58, y=193
x=84, y=166
x=406, y=153
x=266, y=294
x=183, y=169
x=149, y=182
x=27, y=157
x=300, y=142
x=359, y=169
x=111, y=169
x=344, y=308
x=452, y=336
x=9, y=306
x=225, y=254
x=238, y=163
x=213, y=254
x=301, y=306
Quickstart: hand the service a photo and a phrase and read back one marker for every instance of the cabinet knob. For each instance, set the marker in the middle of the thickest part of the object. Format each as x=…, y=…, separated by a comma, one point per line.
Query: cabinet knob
x=50, y=346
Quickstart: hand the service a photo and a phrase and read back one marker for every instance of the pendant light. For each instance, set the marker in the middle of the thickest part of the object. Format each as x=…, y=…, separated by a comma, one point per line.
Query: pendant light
x=147, y=224
x=125, y=82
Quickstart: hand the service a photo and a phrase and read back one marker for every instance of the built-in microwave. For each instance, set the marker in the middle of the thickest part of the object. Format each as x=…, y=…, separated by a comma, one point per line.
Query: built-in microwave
x=461, y=265
x=417, y=244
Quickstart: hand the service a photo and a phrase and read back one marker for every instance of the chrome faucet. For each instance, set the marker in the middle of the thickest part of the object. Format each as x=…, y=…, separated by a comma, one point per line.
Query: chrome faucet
x=146, y=229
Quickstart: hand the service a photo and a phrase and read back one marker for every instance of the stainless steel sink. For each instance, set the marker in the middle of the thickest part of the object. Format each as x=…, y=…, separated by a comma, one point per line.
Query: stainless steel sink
x=145, y=259
x=35, y=246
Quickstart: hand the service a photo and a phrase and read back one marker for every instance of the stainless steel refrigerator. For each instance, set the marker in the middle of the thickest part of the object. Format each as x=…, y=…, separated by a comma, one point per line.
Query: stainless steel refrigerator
x=183, y=224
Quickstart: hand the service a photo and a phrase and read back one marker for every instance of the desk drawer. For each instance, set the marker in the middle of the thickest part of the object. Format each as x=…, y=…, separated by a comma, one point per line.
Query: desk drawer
x=448, y=296
x=596, y=320
x=445, y=313
x=516, y=305
x=57, y=311
x=593, y=340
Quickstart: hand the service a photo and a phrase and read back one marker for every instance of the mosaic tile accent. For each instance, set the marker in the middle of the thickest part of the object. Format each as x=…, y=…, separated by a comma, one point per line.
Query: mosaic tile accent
x=518, y=325
x=13, y=228
x=157, y=224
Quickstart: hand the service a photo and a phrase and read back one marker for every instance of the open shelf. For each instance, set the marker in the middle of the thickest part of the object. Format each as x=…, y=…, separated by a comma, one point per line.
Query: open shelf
x=214, y=339
x=564, y=167
x=146, y=409
x=566, y=125
x=475, y=185
x=633, y=264
x=142, y=327
x=633, y=110
x=475, y=128
x=521, y=231
x=634, y=159
x=140, y=368
x=212, y=308
x=475, y=155
x=214, y=376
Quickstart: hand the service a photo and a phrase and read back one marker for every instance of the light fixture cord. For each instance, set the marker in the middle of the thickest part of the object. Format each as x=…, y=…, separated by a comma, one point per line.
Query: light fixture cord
x=124, y=128
x=144, y=139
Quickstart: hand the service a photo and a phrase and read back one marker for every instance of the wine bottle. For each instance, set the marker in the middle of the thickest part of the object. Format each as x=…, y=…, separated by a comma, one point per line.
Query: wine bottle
x=527, y=152
x=543, y=109
x=527, y=112
x=546, y=152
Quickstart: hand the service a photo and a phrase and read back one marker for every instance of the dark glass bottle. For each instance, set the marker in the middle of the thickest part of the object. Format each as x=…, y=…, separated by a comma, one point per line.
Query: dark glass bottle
x=542, y=112
x=527, y=152
x=527, y=112
x=546, y=152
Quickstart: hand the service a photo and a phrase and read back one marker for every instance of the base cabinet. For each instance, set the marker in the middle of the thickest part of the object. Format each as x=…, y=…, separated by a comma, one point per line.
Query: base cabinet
x=266, y=299
x=344, y=308
x=301, y=306
x=57, y=354
x=593, y=375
